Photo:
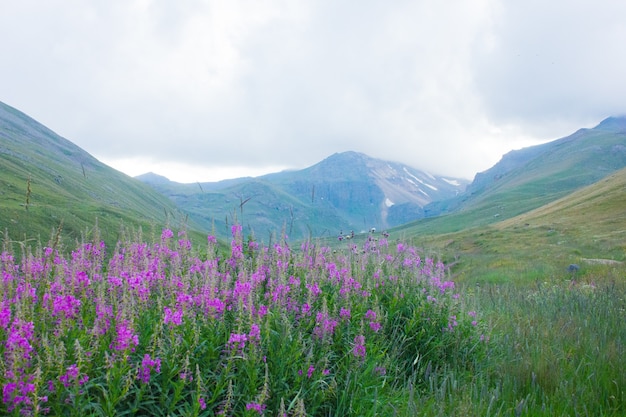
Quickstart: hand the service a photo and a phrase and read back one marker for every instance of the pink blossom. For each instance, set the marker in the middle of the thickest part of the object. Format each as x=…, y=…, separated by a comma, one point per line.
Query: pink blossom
x=174, y=317
x=259, y=408
x=359, y=347
x=147, y=366
x=202, y=403
x=125, y=338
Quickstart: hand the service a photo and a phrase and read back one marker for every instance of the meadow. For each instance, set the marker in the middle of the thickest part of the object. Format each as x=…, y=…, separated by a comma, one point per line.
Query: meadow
x=163, y=328
x=158, y=326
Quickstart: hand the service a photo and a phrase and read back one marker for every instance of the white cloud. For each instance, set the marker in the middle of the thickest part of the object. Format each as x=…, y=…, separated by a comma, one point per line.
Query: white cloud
x=242, y=83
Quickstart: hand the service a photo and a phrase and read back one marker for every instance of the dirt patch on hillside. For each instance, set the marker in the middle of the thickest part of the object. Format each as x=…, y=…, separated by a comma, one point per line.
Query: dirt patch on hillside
x=602, y=261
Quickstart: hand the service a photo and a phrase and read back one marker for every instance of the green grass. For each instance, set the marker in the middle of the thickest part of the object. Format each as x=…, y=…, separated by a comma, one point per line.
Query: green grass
x=558, y=339
x=46, y=182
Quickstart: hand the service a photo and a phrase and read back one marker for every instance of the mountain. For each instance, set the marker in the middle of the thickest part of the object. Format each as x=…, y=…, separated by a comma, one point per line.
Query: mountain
x=345, y=192
x=46, y=181
x=532, y=177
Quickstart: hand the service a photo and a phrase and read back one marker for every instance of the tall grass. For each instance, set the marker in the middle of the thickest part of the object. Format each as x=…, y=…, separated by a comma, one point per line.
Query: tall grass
x=162, y=328
x=559, y=348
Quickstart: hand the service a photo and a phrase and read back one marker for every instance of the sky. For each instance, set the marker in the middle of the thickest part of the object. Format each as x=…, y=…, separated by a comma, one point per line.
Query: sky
x=203, y=90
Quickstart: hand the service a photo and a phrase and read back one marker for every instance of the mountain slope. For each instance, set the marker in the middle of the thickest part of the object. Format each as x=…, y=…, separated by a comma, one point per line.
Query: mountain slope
x=46, y=180
x=345, y=192
x=529, y=178
x=586, y=227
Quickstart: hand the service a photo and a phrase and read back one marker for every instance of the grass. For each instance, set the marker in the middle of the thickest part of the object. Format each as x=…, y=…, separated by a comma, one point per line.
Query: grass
x=162, y=329
x=551, y=345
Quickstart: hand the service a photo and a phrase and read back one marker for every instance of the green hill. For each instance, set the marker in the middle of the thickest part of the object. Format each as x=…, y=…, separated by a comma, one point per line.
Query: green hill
x=46, y=181
x=586, y=227
x=532, y=177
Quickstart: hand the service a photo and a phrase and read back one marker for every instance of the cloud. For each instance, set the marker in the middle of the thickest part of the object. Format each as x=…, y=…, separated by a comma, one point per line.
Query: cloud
x=553, y=63
x=446, y=87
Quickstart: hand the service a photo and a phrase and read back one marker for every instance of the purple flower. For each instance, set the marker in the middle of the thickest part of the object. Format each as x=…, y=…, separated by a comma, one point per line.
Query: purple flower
x=237, y=341
x=73, y=376
x=236, y=230
x=324, y=325
x=314, y=289
x=5, y=314
x=359, y=347
x=147, y=366
x=174, y=317
x=259, y=408
x=125, y=338
x=166, y=234
x=202, y=403
x=18, y=340
x=375, y=326
x=255, y=333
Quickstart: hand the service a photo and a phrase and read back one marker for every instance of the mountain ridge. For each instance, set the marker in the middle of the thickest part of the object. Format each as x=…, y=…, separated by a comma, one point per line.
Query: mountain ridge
x=345, y=191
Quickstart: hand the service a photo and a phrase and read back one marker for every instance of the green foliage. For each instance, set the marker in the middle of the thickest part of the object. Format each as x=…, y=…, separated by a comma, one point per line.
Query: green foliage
x=155, y=329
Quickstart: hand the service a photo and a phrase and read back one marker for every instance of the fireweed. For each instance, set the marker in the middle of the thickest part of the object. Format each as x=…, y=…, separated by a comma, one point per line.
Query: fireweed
x=262, y=327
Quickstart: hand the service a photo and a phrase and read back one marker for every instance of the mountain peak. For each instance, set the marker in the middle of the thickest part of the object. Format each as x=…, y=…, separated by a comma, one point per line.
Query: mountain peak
x=152, y=178
x=613, y=123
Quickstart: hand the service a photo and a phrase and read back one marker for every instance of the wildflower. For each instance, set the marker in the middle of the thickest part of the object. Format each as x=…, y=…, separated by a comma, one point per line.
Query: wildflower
x=5, y=314
x=324, y=326
x=255, y=333
x=147, y=365
x=314, y=289
x=359, y=347
x=237, y=341
x=125, y=338
x=344, y=313
x=375, y=326
x=236, y=230
x=166, y=234
x=73, y=376
x=259, y=408
x=66, y=306
x=174, y=317
x=202, y=403
x=262, y=311
x=309, y=373
x=184, y=244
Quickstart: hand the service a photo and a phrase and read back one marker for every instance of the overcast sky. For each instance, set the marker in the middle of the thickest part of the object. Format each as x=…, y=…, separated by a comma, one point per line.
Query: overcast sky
x=199, y=90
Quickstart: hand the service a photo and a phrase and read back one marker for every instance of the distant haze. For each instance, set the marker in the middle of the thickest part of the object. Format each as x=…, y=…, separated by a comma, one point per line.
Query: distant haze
x=206, y=90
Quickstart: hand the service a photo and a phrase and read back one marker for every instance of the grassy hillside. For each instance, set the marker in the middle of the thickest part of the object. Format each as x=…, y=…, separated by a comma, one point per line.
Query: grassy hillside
x=46, y=181
x=532, y=177
x=583, y=227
